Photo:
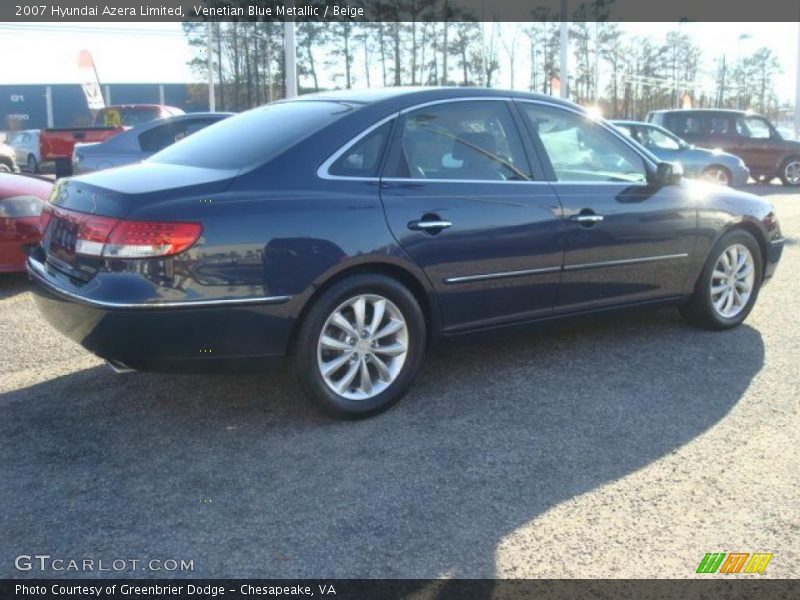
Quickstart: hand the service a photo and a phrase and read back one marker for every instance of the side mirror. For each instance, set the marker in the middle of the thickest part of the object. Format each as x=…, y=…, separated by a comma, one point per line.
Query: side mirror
x=668, y=173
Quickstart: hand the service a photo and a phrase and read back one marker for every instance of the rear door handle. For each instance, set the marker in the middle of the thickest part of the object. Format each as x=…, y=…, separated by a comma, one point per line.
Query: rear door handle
x=431, y=226
x=587, y=219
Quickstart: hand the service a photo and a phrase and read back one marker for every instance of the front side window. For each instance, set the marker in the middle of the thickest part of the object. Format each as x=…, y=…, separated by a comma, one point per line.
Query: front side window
x=581, y=150
x=470, y=141
x=753, y=127
x=363, y=159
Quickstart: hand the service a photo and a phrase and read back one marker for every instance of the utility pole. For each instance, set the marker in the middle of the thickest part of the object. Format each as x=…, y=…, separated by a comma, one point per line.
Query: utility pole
x=564, y=57
x=797, y=89
x=212, y=97
x=291, y=59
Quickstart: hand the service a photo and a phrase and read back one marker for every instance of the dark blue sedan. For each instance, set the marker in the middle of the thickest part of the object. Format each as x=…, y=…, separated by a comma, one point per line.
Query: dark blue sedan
x=348, y=231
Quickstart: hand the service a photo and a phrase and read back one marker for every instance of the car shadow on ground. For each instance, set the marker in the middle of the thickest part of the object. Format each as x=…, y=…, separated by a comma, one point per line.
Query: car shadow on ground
x=12, y=284
x=239, y=475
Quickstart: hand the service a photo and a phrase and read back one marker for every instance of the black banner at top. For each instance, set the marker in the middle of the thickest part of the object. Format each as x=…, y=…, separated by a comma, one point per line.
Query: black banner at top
x=399, y=10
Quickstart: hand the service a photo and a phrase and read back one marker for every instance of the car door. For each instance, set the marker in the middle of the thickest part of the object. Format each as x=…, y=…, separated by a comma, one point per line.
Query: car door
x=625, y=240
x=753, y=143
x=461, y=200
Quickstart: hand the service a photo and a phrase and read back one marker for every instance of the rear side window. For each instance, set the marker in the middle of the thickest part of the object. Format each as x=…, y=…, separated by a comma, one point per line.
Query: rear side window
x=253, y=137
x=165, y=135
x=363, y=159
x=468, y=141
x=683, y=124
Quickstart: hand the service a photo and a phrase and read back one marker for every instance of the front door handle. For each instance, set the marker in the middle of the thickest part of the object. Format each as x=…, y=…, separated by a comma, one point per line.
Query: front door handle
x=430, y=224
x=586, y=218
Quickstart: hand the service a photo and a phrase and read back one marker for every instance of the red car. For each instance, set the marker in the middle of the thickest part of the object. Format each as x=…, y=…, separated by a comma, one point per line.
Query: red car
x=21, y=201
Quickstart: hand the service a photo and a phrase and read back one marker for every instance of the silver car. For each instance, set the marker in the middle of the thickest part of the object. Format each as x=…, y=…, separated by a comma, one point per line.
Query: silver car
x=137, y=143
x=26, y=149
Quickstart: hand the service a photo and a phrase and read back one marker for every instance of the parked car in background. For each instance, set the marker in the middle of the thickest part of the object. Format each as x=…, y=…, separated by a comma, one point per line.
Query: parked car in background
x=136, y=144
x=57, y=144
x=8, y=159
x=26, y=149
x=749, y=136
x=348, y=230
x=21, y=201
x=711, y=165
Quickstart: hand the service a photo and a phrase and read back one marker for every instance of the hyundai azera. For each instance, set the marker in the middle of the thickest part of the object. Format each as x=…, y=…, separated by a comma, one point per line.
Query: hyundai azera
x=348, y=231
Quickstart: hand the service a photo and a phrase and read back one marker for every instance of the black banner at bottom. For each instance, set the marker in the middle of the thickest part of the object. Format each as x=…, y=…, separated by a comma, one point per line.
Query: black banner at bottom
x=411, y=589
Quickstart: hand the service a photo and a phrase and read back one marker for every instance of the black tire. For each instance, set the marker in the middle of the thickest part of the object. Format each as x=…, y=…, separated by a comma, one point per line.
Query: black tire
x=785, y=178
x=63, y=167
x=718, y=174
x=305, y=350
x=699, y=310
x=32, y=164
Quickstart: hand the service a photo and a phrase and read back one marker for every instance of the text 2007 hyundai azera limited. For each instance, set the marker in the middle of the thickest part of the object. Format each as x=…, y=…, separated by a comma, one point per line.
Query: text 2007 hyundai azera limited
x=349, y=230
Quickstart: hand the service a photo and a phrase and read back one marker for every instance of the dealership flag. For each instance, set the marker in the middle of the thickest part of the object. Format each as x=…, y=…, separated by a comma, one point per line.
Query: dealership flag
x=89, y=81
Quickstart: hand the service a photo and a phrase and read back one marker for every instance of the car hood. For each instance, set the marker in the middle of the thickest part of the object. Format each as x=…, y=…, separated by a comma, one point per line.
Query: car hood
x=706, y=155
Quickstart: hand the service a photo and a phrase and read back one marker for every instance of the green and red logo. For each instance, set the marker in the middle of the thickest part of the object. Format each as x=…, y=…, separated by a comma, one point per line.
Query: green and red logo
x=734, y=562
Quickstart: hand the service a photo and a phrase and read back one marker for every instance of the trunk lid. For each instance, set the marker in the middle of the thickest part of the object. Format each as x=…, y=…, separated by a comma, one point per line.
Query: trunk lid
x=95, y=201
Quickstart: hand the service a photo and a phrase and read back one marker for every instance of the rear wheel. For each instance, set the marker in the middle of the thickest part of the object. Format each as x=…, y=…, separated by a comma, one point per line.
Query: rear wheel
x=790, y=171
x=360, y=346
x=4, y=168
x=728, y=286
x=718, y=174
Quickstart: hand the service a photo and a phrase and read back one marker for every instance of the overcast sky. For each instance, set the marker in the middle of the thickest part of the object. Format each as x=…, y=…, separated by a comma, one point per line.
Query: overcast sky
x=157, y=52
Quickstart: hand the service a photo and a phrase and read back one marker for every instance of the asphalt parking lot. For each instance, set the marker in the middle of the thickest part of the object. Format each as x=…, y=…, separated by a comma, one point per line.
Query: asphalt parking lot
x=617, y=447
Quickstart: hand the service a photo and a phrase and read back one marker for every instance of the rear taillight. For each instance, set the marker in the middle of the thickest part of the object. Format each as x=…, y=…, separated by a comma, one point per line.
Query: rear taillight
x=143, y=239
x=108, y=237
x=44, y=218
x=92, y=234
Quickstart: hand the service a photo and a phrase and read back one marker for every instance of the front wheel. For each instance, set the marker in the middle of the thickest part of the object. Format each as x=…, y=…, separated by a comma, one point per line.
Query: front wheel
x=718, y=174
x=790, y=171
x=360, y=346
x=728, y=285
x=32, y=165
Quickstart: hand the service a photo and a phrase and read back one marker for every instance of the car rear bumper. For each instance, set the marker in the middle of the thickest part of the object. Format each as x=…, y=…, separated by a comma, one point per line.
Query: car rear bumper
x=184, y=337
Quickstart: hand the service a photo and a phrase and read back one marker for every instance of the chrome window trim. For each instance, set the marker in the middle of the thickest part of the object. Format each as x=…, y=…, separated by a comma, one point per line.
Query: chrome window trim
x=577, y=267
x=623, y=261
x=323, y=169
x=37, y=269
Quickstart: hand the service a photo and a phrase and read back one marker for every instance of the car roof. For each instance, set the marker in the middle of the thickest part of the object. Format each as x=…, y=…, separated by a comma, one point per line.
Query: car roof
x=422, y=94
x=726, y=111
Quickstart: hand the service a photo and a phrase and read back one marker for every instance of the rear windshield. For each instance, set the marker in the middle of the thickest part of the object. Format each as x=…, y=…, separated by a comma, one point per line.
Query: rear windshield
x=253, y=137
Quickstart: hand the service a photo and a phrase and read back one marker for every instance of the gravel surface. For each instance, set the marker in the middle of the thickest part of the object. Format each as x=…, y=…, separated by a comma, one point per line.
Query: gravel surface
x=615, y=447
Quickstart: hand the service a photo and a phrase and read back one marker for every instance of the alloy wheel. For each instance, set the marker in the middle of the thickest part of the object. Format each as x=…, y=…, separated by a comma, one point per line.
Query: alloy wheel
x=716, y=175
x=732, y=281
x=791, y=172
x=362, y=347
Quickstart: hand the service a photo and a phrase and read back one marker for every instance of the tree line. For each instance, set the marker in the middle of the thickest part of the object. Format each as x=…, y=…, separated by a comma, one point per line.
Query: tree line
x=625, y=75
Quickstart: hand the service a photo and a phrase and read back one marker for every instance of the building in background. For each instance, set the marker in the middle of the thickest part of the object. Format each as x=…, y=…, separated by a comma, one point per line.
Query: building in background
x=26, y=106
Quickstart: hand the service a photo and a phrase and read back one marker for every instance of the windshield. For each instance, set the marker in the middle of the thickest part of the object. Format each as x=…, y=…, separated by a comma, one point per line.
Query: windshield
x=253, y=137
